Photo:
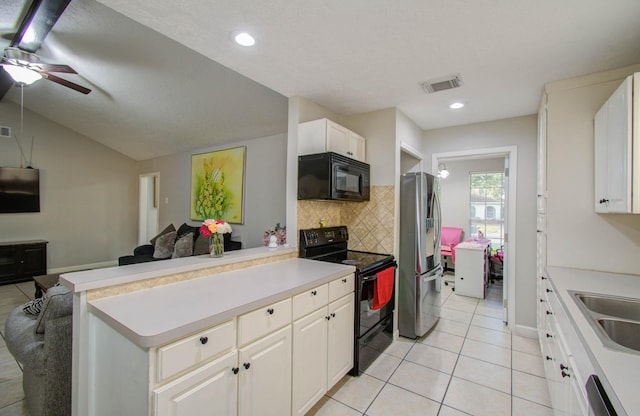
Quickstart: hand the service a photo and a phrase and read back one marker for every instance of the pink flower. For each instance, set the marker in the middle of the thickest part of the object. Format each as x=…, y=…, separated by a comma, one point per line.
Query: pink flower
x=204, y=230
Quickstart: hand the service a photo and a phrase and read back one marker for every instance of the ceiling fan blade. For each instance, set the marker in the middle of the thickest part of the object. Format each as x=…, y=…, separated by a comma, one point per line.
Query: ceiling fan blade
x=5, y=82
x=66, y=83
x=39, y=20
x=57, y=68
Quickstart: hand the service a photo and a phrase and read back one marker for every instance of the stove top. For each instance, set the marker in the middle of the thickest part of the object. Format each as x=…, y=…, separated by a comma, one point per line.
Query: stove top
x=330, y=245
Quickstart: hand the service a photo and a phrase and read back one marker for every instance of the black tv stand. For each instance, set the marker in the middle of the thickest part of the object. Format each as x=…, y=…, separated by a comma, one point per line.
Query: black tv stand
x=21, y=260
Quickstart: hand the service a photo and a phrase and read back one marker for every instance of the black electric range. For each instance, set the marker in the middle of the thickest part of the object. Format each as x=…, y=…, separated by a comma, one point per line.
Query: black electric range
x=373, y=329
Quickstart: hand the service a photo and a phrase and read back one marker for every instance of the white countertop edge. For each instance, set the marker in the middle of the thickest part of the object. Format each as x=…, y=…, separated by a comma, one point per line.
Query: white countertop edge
x=112, y=276
x=615, y=367
x=101, y=307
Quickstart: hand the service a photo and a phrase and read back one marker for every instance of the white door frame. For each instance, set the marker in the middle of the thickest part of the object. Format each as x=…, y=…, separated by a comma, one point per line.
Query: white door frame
x=148, y=206
x=511, y=153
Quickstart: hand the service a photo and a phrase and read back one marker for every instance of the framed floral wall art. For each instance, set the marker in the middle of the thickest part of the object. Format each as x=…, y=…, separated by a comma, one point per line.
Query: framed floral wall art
x=217, y=185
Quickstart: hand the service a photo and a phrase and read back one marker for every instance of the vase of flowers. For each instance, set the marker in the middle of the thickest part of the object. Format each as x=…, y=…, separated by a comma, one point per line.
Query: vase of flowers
x=279, y=232
x=214, y=230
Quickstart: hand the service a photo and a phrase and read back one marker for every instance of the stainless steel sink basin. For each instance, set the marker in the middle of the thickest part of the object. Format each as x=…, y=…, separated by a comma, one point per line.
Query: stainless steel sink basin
x=625, y=333
x=616, y=320
x=612, y=306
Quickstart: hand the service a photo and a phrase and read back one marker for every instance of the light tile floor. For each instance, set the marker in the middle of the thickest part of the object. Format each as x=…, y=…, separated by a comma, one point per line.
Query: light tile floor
x=470, y=364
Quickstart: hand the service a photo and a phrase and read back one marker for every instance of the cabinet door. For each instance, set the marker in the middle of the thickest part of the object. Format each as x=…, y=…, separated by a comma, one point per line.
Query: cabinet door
x=356, y=147
x=9, y=261
x=337, y=138
x=210, y=390
x=265, y=376
x=34, y=260
x=600, y=159
x=619, y=149
x=340, y=335
x=309, y=360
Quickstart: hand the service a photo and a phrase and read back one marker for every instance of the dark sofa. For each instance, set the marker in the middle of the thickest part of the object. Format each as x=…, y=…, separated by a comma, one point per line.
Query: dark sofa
x=172, y=243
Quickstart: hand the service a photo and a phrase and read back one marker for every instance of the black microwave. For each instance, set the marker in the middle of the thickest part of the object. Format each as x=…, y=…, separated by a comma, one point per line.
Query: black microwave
x=332, y=176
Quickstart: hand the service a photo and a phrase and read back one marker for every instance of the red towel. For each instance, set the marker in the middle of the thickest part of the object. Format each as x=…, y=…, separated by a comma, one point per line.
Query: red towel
x=383, y=288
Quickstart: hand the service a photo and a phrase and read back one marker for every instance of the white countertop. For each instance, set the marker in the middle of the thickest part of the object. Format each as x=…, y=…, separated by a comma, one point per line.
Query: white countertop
x=112, y=276
x=162, y=314
x=620, y=369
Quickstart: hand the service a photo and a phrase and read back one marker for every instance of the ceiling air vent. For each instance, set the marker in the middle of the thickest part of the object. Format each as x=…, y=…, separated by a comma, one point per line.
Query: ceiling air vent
x=441, y=84
x=5, y=132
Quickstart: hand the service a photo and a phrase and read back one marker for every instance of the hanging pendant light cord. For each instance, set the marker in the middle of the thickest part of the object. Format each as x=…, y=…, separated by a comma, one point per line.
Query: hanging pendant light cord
x=21, y=125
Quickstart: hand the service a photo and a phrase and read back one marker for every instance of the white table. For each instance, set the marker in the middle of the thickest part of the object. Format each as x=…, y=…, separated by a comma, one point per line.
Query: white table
x=472, y=268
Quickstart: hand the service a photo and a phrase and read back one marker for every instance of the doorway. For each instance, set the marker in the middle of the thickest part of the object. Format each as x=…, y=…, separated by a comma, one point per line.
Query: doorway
x=149, y=207
x=509, y=156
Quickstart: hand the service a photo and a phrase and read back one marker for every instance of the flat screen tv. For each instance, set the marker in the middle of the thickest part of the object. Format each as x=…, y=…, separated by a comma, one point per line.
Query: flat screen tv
x=19, y=190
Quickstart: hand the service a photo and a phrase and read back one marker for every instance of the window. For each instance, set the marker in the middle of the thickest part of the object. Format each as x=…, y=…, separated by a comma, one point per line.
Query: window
x=487, y=206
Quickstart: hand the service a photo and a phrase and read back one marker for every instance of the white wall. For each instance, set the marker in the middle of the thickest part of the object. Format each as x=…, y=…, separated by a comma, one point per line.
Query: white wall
x=455, y=190
x=577, y=236
x=379, y=129
x=88, y=194
x=264, y=194
x=521, y=132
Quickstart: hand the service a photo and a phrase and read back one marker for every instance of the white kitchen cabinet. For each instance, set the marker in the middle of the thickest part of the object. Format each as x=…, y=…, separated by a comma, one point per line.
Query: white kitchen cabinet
x=210, y=390
x=324, y=135
x=340, y=339
x=617, y=157
x=472, y=268
x=323, y=347
x=309, y=360
x=264, y=384
x=566, y=362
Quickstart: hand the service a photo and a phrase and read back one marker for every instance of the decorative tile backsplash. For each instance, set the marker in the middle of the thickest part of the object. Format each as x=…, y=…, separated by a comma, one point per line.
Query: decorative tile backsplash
x=370, y=223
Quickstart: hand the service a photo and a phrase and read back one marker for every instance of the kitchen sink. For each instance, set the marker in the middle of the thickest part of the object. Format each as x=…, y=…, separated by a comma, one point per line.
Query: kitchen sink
x=625, y=333
x=616, y=320
x=612, y=306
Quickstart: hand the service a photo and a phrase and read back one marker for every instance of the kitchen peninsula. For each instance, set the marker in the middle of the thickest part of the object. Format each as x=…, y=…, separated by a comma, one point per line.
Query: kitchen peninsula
x=201, y=333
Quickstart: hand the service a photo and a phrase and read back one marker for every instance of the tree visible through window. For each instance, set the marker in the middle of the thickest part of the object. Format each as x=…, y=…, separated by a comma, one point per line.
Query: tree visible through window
x=486, y=210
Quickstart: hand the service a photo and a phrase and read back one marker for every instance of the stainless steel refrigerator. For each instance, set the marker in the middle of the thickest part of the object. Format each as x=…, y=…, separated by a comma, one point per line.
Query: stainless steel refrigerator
x=419, y=267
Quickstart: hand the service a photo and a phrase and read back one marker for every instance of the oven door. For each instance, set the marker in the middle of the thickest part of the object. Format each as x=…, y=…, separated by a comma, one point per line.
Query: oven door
x=349, y=182
x=367, y=317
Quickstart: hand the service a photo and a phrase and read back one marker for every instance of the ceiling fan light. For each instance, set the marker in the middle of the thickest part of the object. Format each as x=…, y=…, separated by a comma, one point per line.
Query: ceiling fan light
x=22, y=75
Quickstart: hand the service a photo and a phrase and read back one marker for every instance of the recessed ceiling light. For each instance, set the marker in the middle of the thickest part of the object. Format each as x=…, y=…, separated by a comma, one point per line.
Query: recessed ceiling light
x=456, y=106
x=244, y=39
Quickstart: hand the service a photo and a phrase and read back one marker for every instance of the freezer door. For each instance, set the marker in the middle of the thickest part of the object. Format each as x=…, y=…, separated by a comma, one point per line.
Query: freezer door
x=428, y=300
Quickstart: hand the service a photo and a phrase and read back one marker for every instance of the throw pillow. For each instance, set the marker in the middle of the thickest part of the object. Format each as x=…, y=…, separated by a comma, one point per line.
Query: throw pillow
x=201, y=246
x=163, y=247
x=168, y=229
x=183, y=246
x=33, y=307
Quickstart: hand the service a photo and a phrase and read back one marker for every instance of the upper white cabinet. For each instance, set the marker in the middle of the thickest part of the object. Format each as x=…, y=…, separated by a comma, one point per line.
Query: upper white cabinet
x=617, y=152
x=324, y=135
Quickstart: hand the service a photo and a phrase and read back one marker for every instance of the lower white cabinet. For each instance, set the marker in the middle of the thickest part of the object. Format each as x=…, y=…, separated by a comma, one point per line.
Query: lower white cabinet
x=322, y=351
x=265, y=376
x=250, y=365
x=209, y=390
x=565, y=377
x=340, y=339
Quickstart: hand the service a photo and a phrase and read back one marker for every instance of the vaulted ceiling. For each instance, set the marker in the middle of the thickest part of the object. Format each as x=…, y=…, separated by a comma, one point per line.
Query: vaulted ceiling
x=166, y=76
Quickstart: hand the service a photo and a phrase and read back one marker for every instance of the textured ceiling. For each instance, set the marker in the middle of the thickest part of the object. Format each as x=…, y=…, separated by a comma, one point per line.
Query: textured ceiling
x=153, y=96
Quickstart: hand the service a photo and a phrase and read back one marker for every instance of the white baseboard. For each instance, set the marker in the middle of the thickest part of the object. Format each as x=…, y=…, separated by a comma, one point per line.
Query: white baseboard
x=81, y=267
x=526, y=331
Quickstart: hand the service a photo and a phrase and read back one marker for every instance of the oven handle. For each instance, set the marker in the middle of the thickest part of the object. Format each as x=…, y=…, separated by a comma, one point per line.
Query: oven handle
x=372, y=277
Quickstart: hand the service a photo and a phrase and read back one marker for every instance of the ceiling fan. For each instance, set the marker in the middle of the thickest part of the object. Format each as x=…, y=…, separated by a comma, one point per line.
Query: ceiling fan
x=19, y=61
x=26, y=67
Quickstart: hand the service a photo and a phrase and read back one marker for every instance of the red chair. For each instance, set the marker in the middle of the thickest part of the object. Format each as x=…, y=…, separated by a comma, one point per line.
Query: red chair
x=450, y=237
